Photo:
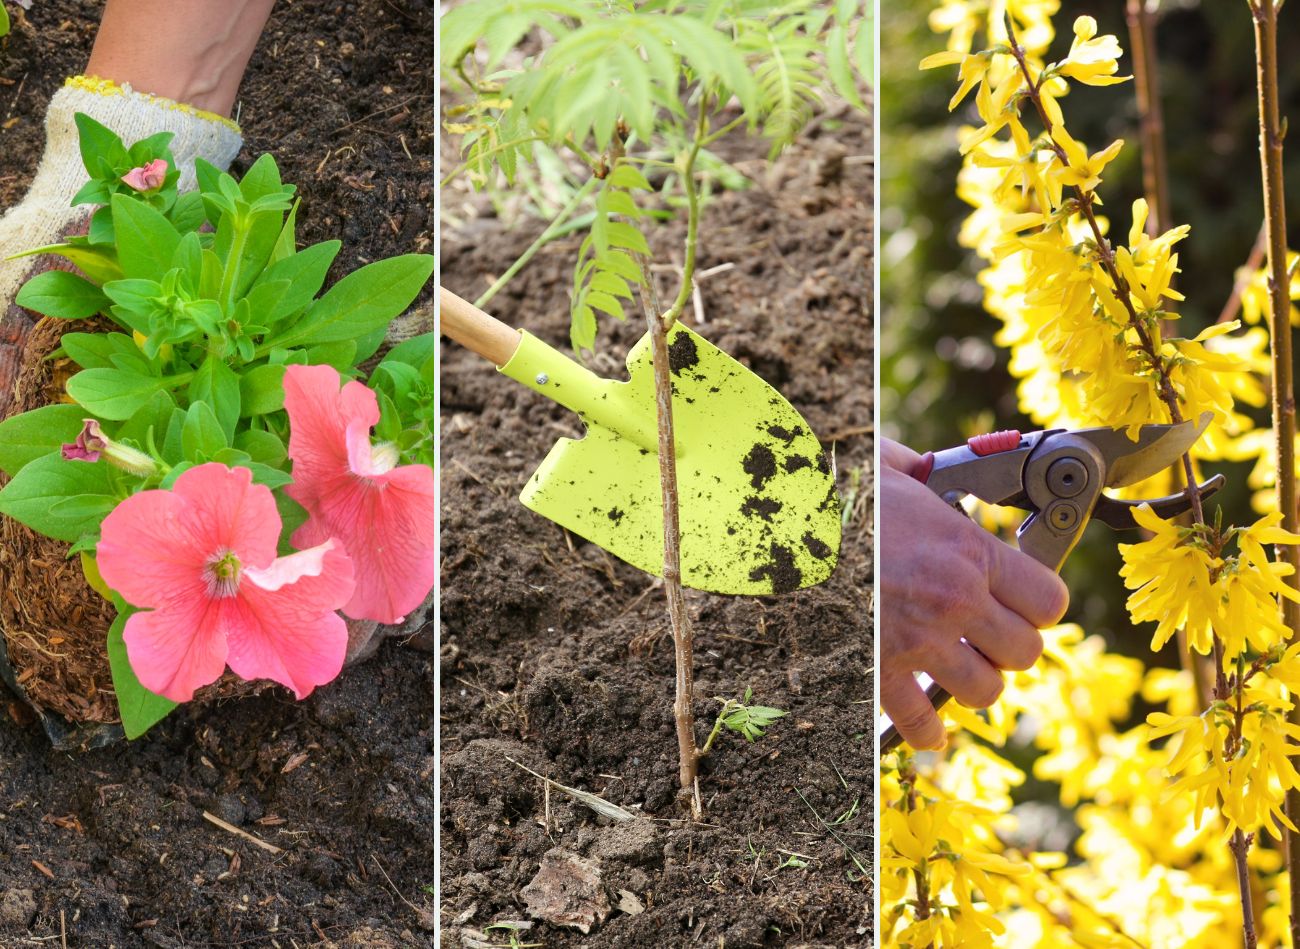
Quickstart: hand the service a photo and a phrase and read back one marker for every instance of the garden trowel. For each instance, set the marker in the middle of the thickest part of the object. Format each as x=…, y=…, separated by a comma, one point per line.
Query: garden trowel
x=1058, y=477
x=758, y=508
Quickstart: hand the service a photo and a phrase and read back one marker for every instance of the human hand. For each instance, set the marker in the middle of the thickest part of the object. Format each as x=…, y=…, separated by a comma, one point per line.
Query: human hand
x=944, y=579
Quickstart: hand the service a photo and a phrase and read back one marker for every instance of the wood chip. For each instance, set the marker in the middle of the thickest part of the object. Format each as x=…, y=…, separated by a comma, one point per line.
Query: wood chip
x=294, y=761
x=231, y=828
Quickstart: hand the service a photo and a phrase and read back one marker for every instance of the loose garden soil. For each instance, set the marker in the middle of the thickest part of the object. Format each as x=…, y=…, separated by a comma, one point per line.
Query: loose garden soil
x=557, y=657
x=111, y=847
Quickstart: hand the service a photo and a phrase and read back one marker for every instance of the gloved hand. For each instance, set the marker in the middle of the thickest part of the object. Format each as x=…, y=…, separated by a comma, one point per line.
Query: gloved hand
x=46, y=216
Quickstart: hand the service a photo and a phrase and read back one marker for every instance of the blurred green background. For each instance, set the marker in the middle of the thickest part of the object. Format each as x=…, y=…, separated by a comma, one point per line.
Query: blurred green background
x=941, y=376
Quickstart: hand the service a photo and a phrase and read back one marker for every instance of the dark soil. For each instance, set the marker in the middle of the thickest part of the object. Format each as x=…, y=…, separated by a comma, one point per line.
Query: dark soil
x=111, y=847
x=558, y=657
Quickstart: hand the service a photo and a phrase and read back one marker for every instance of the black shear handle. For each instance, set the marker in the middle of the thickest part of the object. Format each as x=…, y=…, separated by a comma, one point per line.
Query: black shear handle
x=891, y=739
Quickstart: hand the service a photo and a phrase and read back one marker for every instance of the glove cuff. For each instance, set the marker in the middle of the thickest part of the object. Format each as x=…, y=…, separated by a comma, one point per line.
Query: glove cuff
x=133, y=116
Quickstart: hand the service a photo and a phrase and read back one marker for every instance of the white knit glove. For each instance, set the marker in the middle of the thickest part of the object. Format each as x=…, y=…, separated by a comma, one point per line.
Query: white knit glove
x=45, y=215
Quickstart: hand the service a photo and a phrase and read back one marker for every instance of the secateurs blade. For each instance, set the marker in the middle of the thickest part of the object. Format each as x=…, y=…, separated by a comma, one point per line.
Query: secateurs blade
x=1058, y=477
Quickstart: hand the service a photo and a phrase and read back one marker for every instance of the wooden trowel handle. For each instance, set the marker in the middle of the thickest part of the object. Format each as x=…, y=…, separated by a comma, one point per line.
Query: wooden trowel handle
x=475, y=330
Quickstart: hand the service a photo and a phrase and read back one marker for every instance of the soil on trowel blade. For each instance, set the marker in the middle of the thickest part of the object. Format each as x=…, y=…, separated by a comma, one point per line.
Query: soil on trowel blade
x=557, y=657
x=111, y=847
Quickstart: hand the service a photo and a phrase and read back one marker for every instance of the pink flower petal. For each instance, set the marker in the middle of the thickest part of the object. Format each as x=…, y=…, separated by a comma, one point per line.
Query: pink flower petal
x=384, y=520
x=270, y=618
x=175, y=650
x=319, y=418
x=229, y=512
x=284, y=627
x=147, y=554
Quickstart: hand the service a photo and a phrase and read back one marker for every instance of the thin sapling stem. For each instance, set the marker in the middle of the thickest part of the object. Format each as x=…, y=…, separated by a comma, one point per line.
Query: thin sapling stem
x=678, y=617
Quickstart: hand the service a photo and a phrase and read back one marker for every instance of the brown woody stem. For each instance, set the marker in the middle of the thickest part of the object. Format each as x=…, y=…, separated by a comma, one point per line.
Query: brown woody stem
x=1155, y=186
x=678, y=617
x=1240, y=843
x=1155, y=168
x=1271, y=132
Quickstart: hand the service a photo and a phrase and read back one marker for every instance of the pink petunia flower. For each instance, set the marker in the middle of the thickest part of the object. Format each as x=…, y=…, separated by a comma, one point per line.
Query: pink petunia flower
x=148, y=177
x=355, y=491
x=201, y=559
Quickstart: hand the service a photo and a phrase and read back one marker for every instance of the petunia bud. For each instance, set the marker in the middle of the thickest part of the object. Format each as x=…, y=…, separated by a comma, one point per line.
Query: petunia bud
x=147, y=178
x=92, y=444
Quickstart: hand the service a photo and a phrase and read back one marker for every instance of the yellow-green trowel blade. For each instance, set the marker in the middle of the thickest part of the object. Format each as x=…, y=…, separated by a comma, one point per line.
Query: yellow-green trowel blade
x=758, y=508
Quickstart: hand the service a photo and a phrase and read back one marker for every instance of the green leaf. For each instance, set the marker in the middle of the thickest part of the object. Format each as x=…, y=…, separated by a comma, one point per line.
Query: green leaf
x=93, y=191
x=292, y=515
x=26, y=437
x=216, y=385
x=262, y=179
x=839, y=68
x=582, y=330
x=4, y=21
x=188, y=214
x=341, y=355
x=146, y=241
x=100, y=147
x=625, y=235
x=261, y=391
x=273, y=478
x=416, y=351
x=153, y=415
x=286, y=245
x=150, y=148
x=32, y=495
x=140, y=709
x=403, y=379
x=627, y=176
x=171, y=446
x=97, y=263
x=606, y=303
x=262, y=446
x=62, y=295
x=364, y=300
x=363, y=347
x=91, y=508
x=202, y=436
x=115, y=393
x=188, y=259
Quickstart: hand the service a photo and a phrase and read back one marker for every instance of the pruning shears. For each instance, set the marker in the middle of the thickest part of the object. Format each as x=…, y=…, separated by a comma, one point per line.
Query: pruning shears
x=1058, y=477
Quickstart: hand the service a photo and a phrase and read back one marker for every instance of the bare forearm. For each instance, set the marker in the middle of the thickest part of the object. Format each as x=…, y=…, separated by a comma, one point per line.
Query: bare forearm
x=193, y=51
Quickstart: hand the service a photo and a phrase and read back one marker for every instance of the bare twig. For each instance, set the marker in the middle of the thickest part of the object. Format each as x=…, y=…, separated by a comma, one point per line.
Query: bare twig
x=231, y=828
x=1264, y=13
x=1256, y=260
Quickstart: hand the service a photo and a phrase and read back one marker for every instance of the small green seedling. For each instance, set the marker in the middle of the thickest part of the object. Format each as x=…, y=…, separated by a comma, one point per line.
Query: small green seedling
x=4, y=21
x=796, y=860
x=743, y=718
